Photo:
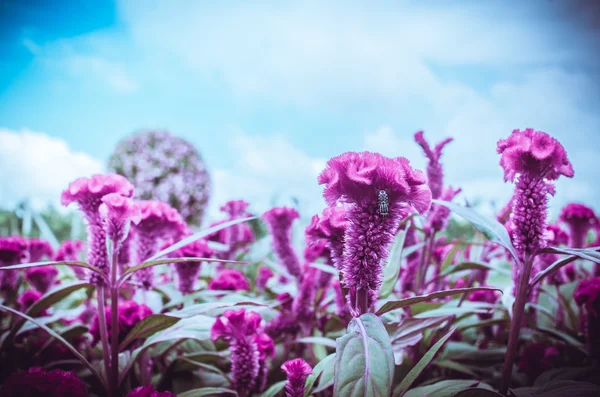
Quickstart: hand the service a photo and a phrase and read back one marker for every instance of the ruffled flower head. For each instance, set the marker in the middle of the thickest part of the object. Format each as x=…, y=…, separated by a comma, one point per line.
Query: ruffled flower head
x=13, y=250
x=235, y=209
x=187, y=272
x=316, y=250
x=41, y=277
x=263, y=276
x=279, y=222
x=229, y=280
x=556, y=236
x=297, y=371
x=587, y=296
x=435, y=175
x=28, y=298
x=39, y=249
x=580, y=219
x=330, y=226
x=148, y=391
x=118, y=211
x=39, y=382
x=437, y=219
x=130, y=314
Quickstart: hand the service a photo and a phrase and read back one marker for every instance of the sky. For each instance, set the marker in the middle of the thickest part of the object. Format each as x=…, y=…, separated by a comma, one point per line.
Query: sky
x=269, y=91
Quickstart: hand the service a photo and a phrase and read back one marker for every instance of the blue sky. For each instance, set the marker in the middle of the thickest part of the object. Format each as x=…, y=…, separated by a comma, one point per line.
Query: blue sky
x=268, y=92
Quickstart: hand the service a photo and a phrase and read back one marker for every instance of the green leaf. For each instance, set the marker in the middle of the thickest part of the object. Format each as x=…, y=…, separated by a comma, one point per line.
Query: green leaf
x=445, y=388
x=311, y=379
x=55, y=295
x=409, y=332
x=394, y=305
x=148, y=327
x=207, y=391
x=325, y=268
x=551, y=269
x=563, y=388
x=587, y=374
x=317, y=340
x=203, y=308
x=274, y=390
x=588, y=254
x=564, y=336
x=53, y=263
x=477, y=392
x=469, y=266
x=454, y=366
x=391, y=271
x=449, y=258
x=421, y=365
x=493, y=230
x=364, y=363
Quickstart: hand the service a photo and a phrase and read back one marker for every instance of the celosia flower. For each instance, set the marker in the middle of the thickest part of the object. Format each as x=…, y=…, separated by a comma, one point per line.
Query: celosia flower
x=229, y=280
x=555, y=237
x=279, y=222
x=187, y=272
x=118, y=211
x=437, y=219
x=587, y=295
x=296, y=371
x=148, y=391
x=237, y=237
x=39, y=382
x=39, y=249
x=378, y=191
x=284, y=325
x=159, y=222
x=41, y=277
x=266, y=348
x=580, y=220
x=304, y=303
x=13, y=250
x=69, y=251
x=535, y=159
x=504, y=214
x=241, y=329
x=318, y=249
x=88, y=193
x=331, y=227
x=28, y=298
x=263, y=276
x=537, y=358
x=435, y=174
x=485, y=296
x=130, y=314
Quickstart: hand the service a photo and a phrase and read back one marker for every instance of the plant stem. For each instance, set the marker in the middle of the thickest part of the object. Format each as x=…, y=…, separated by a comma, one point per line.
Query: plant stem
x=515, y=324
x=362, y=301
x=424, y=262
x=104, y=334
x=114, y=308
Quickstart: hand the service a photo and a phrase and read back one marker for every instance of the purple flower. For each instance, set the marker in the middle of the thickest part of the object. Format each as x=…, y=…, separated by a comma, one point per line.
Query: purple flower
x=580, y=220
x=69, y=251
x=315, y=250
x=279, y=222
x=504, y=214
x=534, y=158
x=263, y=276
x=266, y=348
x=435, y=174
x=39, y=249
x=187, y=272
x=537, y=358
x=304, y=303
x=331, y=227
x=159, y=223
x=13, y=250
x=28, y=298
x=486, y=296
x=237, y=237
x=378, y=191
x=229, y=280
x=88, y=193
x=148, y=391
x=39, y=382
x=41, y=277
x=587, y=295
x=297, y=371
x=284, y=324
x=437, y=219
x=118, y=211
x=130, y=314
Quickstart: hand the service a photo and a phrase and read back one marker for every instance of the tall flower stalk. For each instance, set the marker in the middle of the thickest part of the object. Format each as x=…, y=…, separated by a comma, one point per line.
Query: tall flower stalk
x=532, y=160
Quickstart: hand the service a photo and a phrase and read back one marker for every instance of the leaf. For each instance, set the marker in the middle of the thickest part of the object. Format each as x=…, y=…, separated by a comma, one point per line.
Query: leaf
x=493, y=230
x=551, y=269
x=588, y=374
x=450, y=257
x=391, y=271
x=207, y=391
x=409, y=332
x=423, y=362
x=55, y=295
x=274, y=390
x=318, y=340
x=454, y=366
x=203, y=308
x=588, y=254
x=445, y=388
x=311, y=379
x=60, y=339
x=562, y=388
x=148, y=327
x=54, y=263
x=483, y=323
x=477, y=392
x=394, y=305
x=325, y=268
x=469, y=266
x=564, y=336
x=364, y=363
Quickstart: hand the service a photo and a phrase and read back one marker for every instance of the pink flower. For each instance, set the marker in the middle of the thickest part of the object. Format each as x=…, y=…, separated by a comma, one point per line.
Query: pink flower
x=437, y=219
x=69, y=251
x=118, y=211
x=486, y=296
x=378, y=191
x=587, y=295
x=279, y=222
x=28, y=298
x=264, y=275
x=284, y=324
x=41, y=277
x=187, y=272
x=13, y=250
x=537, y=358
x=88, y=193
x=296, y=371
x=266, y=348
x=230, y=280
x=130, y=314
x=236, y=209
x=315, y=250
x=331, y=227
x=148, y=391
x=39, y=249
x=435, y=174
x=236, y=237
x=304, y=303
x=504, y=214
x=580, y=220
x=39, y=382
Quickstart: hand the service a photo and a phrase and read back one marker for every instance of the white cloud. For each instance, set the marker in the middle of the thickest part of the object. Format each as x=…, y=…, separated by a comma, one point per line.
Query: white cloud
x=38, y=167
x=97, y=69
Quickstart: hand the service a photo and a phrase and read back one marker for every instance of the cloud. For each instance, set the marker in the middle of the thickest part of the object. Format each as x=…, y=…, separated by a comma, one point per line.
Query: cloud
x=38, y=167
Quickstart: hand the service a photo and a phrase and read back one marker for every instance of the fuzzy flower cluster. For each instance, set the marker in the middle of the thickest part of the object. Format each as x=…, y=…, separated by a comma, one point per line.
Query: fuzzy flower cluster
x=130, y=314
x=587, y=296
x=148, y=391
x=580, y=219
x=187, y=272
x=438, y=217
x=378, y=192
x=330, y=227
x=165, y=168
x=284, y=325
x=28, y=298
x=279, y=222
x=435, y=174
x=13, y=250
x=296, y=371
x=118, y=211
x=236, y=237
x=229, y=280
x=250, y=347
x=39, y=382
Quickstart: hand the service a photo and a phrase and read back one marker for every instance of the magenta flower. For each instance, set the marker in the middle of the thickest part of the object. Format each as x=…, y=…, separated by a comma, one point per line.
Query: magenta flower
x=487, y=296
x=118, y=211
x=236, y=237
x=580, y=220
x=187, y=272
x=537, y=358
x=279, y=222
x=229, y=280
x=69, y=250
x=41, y=277
x=533, y=158
x=159, y=223
x=284, y=324
x=39, y=382
x=504, y=214
x=304, y=303
x=39, y=249
x=318, y=249
x=331, y=227
x=88, y=193
x=266, y=349
x=378, y=191
x=555, y=237
x=28, y=298
x=263, y=276
x=296, y=371
x=437, y=219
x=130, y=314
x=13, y=250
x=435, y=173
x=148, y=391
x=587, y=296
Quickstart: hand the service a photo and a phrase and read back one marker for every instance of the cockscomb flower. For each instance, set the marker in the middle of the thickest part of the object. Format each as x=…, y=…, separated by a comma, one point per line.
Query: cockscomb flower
x=535, y=159
x=537, y=358
x=159, y=222
x=187, y=272
x=263, y=276
x=28, y=298
x=236, y=209
x=435, y=172
x=437, y=219
x=378, y=191
x=240, y=328
x=13, y=250
x=39, y=249
x=304, y=303
x=587, y=296
x=70, y=251
x=279, y=222
x=331, y=227
x=87, y=193
x=319, y=249
x=130, y=314
x=41, y=277
x=148, y=391
x=580, y=219
x=266, y=349
x=296, y=371
x=118, y=212
x=39, y=382
x=284, y=324
x=555, y=237
x=485, y=296
x=229, y=280
x=504, y=214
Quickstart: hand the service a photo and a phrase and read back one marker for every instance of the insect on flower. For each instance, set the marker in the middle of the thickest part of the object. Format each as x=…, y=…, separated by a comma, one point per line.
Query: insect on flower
x=384, y=202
